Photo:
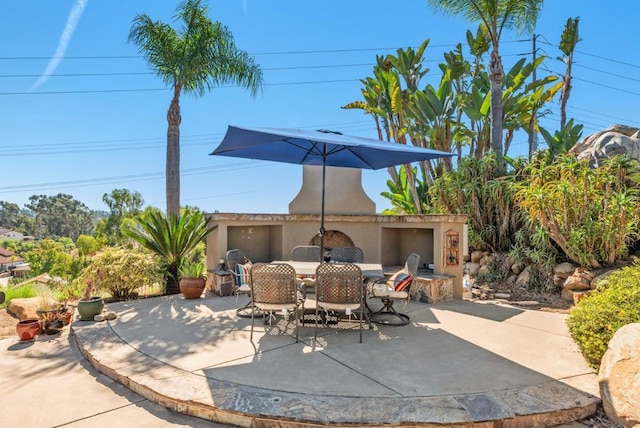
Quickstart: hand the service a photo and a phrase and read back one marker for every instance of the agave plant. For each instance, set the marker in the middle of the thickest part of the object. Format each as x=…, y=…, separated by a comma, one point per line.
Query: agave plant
x=171, y=237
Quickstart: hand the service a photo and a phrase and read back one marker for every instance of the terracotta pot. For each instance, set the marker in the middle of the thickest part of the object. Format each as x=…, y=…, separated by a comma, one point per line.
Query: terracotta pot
x=90, y=307
x=192, y=288
x=28, y=330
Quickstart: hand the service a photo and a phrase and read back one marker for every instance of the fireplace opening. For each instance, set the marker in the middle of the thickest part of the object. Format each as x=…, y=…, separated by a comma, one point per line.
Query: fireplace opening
x=332, y=239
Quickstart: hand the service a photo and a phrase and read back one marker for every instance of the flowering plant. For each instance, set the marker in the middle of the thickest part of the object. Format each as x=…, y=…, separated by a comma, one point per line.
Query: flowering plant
x=91, y=285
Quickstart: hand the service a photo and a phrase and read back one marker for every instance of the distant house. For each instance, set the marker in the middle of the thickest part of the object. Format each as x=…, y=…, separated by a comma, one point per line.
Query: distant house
x=14, y=235
x=10, y=234
x=8, y=260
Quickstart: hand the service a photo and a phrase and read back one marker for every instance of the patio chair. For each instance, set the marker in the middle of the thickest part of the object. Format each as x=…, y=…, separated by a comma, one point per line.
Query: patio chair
x=239, y=266
x=339, y=288
x=396, y=287
x=306, y=253
x=274, y=289
x=347, y=255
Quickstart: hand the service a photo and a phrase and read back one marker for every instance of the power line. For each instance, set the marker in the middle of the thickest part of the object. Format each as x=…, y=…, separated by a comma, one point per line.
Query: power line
x=607, y=72
x=86, y=91
x=122, y=145
x=98, y=91
x=149, y=73
x=127, y=178
x=594, y=83
x=92, y=57
x=608, y=59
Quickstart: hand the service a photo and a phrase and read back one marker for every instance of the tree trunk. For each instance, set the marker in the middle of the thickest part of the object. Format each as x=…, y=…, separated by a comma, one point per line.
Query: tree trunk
x=533, y=141
x=564, y=96
x=173, y=154
x=172, y=285
x=496, y=105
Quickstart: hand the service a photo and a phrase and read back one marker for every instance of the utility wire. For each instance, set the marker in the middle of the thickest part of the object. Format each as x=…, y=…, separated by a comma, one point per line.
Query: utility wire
x=98, y=91
x=252, y=54
x=143, y=143
x=149, y=73
x=593, y=83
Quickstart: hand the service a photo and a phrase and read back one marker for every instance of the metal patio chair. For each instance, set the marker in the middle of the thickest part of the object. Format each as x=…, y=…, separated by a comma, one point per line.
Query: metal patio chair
x=339, y=288
x=239, y=266
x=274, y=289
x=347, y=255
x=397, y=287
x=306, y=253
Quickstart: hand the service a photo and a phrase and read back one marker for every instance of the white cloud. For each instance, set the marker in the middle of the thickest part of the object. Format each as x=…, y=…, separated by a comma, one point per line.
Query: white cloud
x=65, y=37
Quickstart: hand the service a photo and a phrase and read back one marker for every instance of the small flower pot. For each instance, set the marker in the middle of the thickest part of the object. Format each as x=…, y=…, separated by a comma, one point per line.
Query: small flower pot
x=28, y=330
x=88, y=308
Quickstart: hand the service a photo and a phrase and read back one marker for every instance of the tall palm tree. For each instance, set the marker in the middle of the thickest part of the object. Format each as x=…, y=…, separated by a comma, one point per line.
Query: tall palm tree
x=495, y=16
x=198, y=56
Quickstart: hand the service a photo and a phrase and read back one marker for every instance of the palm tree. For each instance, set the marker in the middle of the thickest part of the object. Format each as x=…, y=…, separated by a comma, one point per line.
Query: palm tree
x=198, y=56
x=495, y=16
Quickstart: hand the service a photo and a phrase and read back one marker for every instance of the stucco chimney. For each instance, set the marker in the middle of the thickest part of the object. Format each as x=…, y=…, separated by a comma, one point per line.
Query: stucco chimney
x=343, y=192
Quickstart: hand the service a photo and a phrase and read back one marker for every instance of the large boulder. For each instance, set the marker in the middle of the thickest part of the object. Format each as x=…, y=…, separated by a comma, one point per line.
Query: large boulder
x=561, y=272
x=579, y=280
x=564, y=269
x=615, y=140
x=619, y=377
x=473, y=269
x=524, y=277
x=24, y=308
x=476, y=256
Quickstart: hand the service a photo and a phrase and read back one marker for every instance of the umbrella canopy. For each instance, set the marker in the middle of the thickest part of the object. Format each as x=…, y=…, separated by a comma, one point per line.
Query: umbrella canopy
x=322, y=148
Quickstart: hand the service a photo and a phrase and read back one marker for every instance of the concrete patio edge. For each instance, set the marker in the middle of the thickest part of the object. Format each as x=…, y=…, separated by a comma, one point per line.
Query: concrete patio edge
x=546, y=404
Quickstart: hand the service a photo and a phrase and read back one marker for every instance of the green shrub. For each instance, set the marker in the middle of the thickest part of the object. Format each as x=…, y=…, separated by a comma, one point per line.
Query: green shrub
x=120, y=272
x=68, y=291
x=27, y=290
x=596, y=318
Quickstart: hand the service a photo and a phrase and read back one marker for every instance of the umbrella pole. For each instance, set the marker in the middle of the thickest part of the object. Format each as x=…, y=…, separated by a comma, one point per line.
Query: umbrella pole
x=321, y=231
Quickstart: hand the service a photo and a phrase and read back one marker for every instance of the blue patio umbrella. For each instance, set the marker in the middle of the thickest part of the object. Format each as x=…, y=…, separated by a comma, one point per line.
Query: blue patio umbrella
x=323, y=148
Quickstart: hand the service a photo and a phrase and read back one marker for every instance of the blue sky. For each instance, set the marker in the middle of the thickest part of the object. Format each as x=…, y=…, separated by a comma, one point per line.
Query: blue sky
x=94, y=119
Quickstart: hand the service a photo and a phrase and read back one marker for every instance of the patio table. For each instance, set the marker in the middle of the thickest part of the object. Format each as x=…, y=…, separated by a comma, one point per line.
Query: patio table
x=369, y=270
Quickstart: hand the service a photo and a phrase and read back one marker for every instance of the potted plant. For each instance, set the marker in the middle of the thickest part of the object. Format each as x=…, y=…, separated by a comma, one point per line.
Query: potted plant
x=53, y=320
x=192, y=279
x=52, y=313
x=90, y=304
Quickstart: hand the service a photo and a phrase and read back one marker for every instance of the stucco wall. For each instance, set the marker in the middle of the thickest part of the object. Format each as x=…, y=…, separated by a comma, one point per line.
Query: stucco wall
x=384, y=239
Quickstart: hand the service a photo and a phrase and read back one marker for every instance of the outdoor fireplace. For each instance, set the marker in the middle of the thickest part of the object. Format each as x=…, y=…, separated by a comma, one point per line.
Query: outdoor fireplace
x=350, y=220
